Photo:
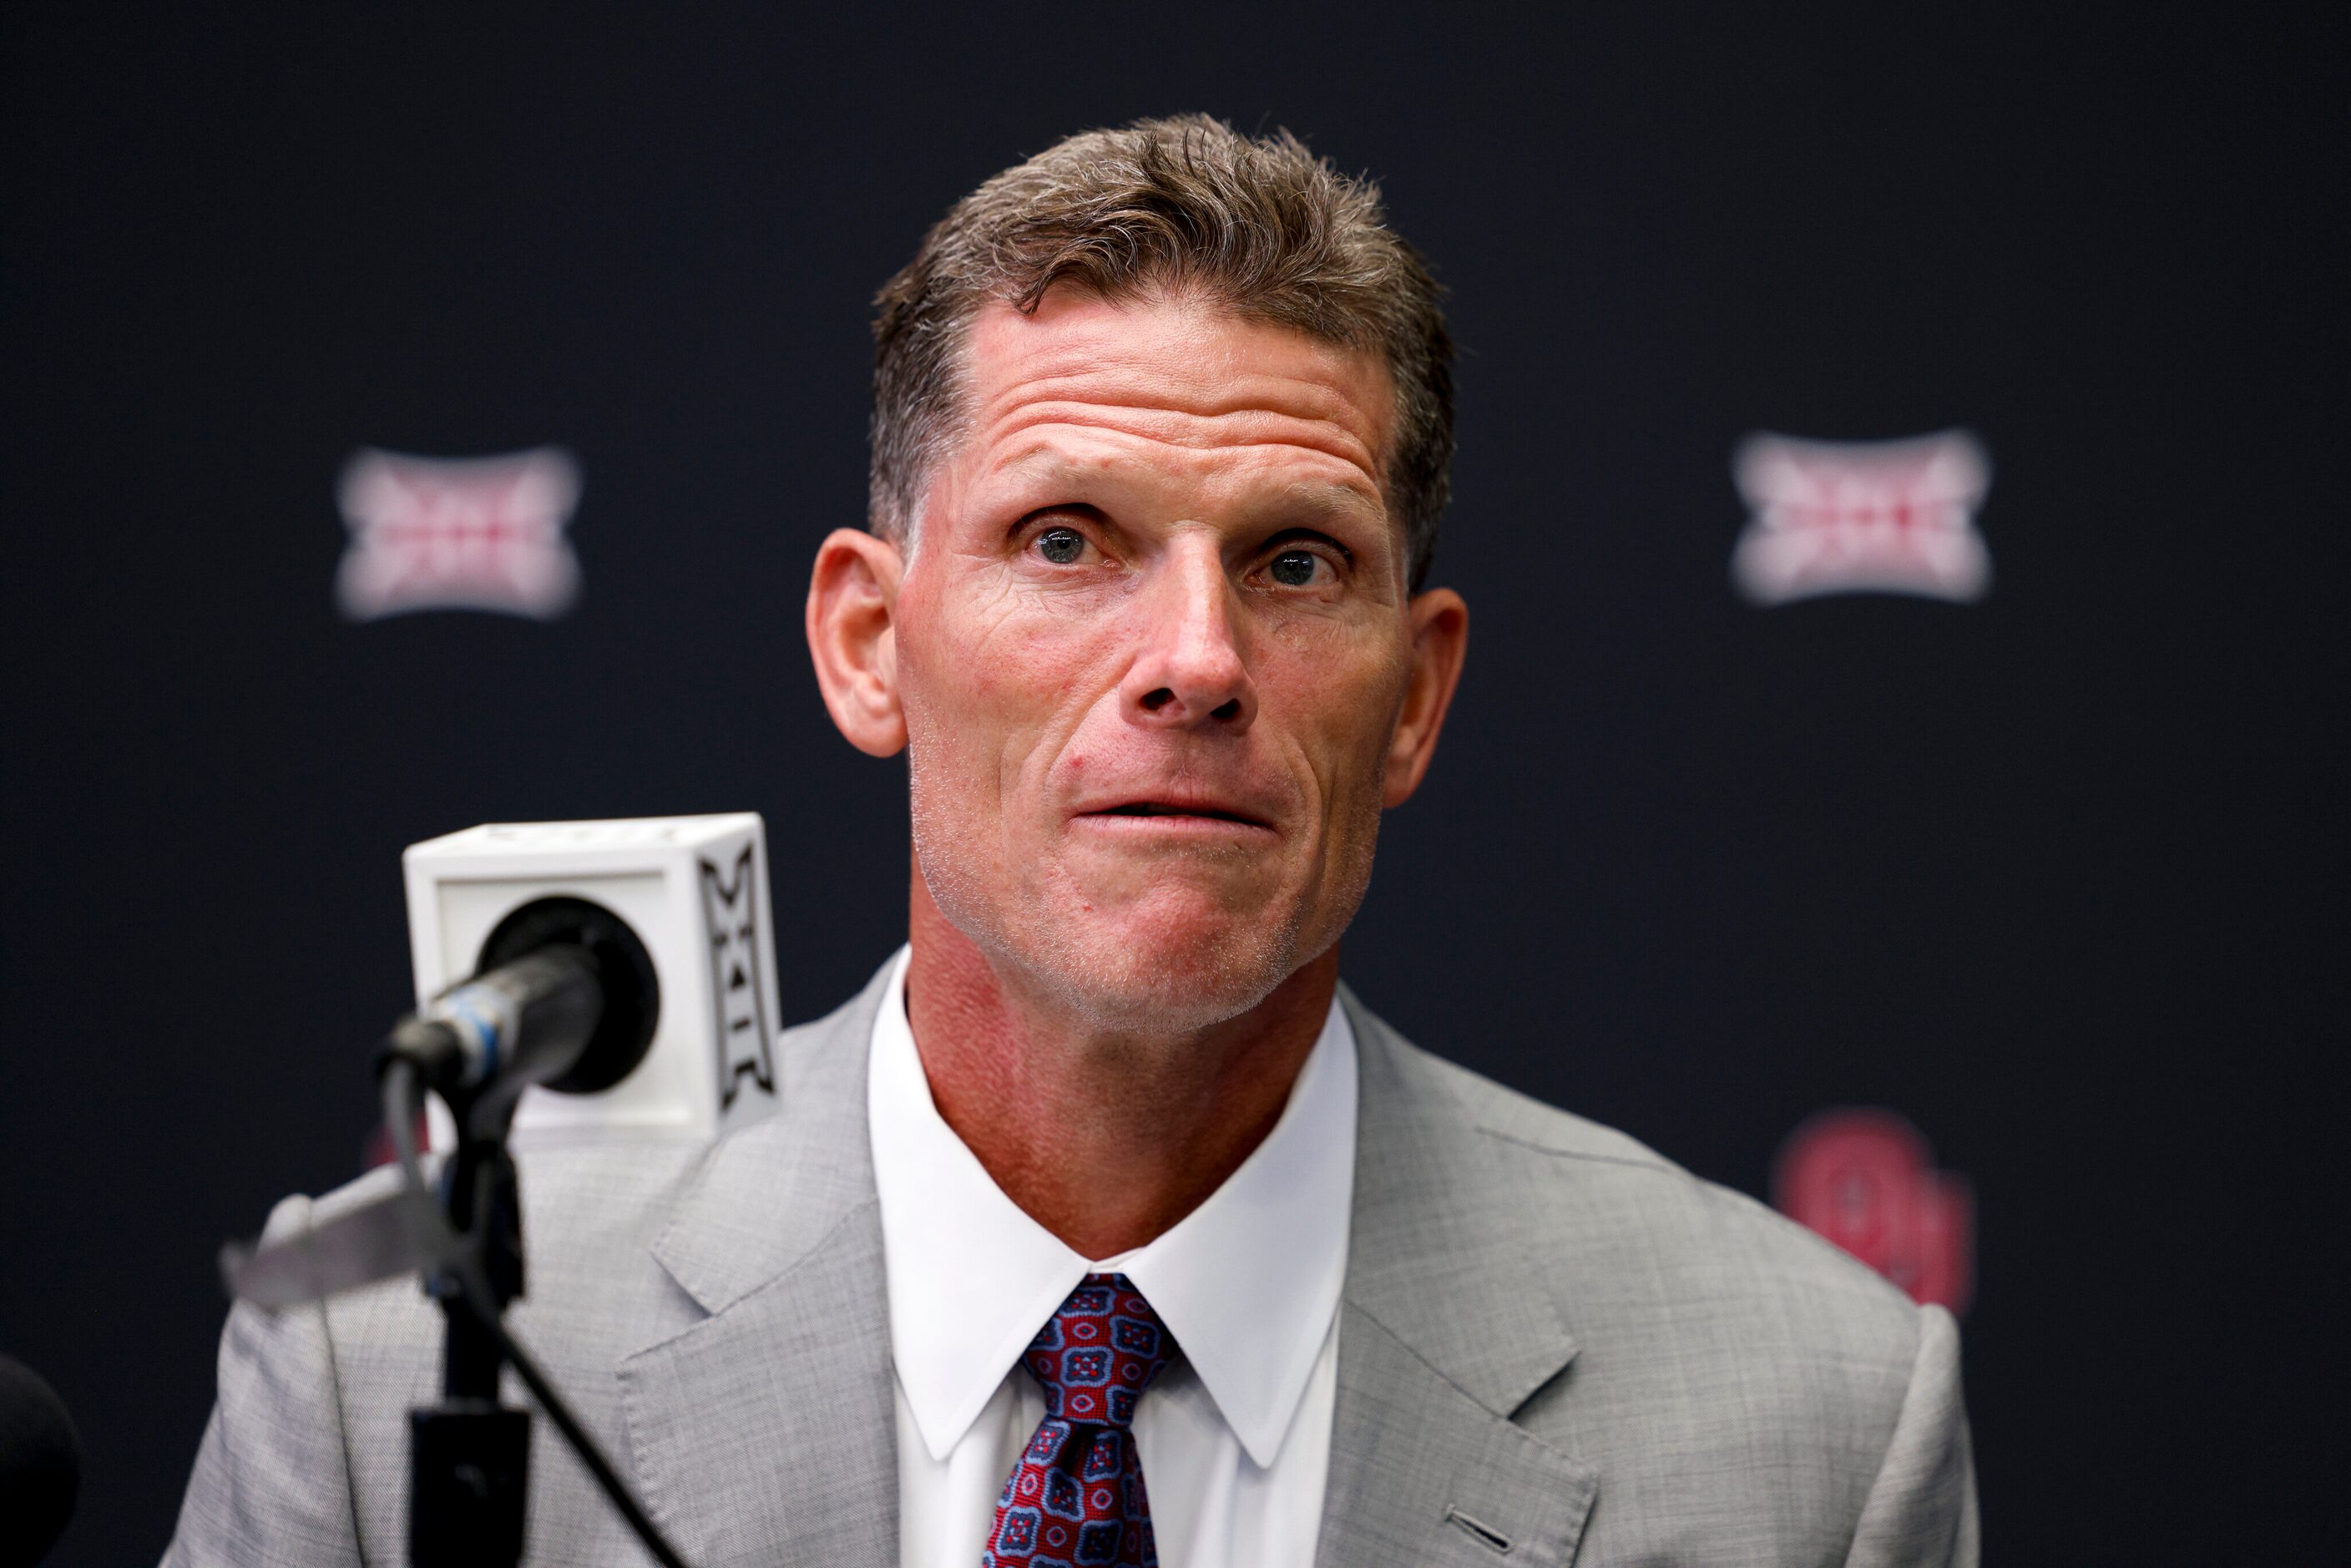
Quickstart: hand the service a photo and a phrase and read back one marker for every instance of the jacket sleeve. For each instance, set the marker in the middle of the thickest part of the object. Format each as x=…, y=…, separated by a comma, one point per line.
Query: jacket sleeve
x=272, y=1482
x=1921, y=1510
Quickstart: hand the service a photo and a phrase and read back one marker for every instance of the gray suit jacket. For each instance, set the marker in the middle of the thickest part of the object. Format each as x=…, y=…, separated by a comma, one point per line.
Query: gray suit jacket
x=1554, y=1346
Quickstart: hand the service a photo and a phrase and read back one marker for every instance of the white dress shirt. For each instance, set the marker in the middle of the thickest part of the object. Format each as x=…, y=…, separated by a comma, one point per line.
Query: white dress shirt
x=1235, y=1434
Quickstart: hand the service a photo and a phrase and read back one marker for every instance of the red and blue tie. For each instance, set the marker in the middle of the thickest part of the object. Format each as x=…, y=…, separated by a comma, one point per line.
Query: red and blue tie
x=1076, y=1497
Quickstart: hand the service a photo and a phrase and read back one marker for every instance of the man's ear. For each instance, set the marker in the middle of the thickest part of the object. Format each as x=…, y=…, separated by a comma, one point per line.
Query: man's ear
x=853, y=615
x=1441, y=640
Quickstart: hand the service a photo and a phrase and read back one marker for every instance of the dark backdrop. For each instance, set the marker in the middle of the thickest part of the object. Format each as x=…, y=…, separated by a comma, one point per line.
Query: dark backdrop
x=2033, y=873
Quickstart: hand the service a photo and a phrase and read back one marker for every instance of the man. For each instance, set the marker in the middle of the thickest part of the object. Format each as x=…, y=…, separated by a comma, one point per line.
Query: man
x=1104, y=1226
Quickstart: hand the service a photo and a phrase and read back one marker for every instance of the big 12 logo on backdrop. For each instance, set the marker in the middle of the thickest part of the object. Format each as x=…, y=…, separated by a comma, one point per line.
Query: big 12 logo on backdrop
x=1862, y=516
x=469, y=533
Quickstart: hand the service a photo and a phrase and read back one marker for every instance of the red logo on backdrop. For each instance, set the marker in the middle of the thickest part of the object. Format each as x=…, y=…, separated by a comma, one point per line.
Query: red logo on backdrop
x=1871, y=517
x=1865, y=1180
x=477, y=533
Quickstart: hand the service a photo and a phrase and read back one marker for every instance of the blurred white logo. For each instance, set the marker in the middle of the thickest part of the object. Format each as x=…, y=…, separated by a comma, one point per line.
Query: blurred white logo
x=1873, y=517
x=475, y=533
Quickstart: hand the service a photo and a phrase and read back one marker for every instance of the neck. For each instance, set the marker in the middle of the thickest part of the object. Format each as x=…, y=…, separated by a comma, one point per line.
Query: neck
x=1104, y=1138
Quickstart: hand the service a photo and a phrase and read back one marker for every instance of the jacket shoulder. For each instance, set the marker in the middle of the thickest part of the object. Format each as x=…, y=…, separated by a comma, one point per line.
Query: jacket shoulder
x=1506, y=1113
x=1728, y=1364
x=1613, y=1208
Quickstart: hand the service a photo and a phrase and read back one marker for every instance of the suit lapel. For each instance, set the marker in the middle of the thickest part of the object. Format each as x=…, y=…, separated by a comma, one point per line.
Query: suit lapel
x=1445, y=1328
x=763, y=1433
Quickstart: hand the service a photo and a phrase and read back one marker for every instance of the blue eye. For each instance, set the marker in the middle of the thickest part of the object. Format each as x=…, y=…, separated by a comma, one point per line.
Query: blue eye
x=1060, y=546
x=1294, y=567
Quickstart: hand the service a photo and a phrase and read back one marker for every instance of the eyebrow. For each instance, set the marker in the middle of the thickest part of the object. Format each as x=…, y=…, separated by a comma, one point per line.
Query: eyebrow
x=1326, y=496
x=1046, y=462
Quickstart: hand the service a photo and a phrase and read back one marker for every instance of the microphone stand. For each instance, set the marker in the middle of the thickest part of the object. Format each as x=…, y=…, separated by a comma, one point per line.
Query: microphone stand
x=469, y=1455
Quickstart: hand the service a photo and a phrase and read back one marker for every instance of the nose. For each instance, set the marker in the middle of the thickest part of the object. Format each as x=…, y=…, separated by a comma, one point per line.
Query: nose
x=1189, y=673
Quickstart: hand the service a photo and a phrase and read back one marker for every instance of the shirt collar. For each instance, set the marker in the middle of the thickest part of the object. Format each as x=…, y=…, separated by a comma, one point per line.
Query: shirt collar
x=1248, y=1282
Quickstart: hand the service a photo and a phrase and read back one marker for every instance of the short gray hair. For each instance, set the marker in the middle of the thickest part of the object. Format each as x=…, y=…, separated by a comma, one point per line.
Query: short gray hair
x=1258, y=224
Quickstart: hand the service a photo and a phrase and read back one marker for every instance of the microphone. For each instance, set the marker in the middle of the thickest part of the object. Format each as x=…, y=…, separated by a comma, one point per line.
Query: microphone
x=673, y=911
x=567, y=997
x=40, y=1466
x=613, y=981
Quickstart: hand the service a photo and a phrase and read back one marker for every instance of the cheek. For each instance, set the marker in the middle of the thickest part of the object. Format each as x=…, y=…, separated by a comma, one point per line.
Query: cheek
x=986, y=688
x=1344, y=693
x=952, y=653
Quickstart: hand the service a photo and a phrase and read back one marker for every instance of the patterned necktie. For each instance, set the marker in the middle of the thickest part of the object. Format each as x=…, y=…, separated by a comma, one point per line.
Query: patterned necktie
x=1076, y=1497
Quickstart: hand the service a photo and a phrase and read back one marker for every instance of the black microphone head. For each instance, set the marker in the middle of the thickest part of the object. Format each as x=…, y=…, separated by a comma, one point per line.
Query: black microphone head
x=624, y=973
x=40, y=1466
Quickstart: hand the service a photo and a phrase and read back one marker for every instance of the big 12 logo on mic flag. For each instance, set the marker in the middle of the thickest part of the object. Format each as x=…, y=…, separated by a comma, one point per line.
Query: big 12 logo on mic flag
x=730, y=903
x=1863, y=1179
x=1866, y=516
x=473, y=533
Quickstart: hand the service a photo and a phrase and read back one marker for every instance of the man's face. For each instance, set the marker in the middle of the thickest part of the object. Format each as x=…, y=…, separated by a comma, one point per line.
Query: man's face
x=1151, y=645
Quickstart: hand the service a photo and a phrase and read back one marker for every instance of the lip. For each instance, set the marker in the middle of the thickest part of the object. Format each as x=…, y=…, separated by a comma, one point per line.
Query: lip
x=1174, y=811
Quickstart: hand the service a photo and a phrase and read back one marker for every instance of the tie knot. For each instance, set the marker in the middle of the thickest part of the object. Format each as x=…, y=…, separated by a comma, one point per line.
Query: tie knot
x=1095, y=1356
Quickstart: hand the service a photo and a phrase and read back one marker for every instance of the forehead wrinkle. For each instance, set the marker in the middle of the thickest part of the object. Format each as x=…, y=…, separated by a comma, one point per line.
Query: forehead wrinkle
x=1205, y=365
x=1153, y=391
x=1099, y=335
x=1085, y=458
x=1097, y=374
x=1078, y=388
x=1231, y=472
